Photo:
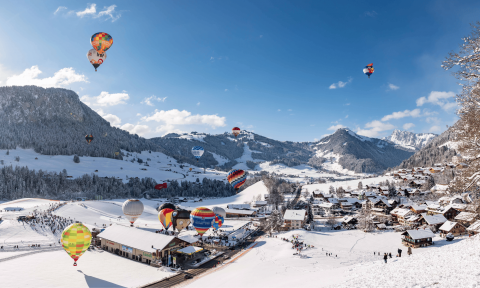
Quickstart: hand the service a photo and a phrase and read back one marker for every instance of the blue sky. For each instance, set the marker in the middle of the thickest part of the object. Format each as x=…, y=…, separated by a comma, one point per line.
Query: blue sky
x=288, y=70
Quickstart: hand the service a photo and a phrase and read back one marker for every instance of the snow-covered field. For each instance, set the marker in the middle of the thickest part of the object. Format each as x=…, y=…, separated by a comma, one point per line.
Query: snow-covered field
x=107, y=167
x=271, y=262
x=351, y=183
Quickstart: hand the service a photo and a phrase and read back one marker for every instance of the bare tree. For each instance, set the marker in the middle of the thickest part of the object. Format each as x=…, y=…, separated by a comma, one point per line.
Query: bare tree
x=365, y=221
x=360, y=185
x=331, y=221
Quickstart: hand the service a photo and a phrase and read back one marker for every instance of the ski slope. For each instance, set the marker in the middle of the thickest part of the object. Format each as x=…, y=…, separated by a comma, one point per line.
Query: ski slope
x=161, y=167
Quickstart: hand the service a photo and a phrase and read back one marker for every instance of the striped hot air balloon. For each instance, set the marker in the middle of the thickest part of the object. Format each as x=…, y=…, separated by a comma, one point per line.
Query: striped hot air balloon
x=101, y=42
x=197, y=152
x=165, y=217
x=76, y=239
x=236, y=178
x=202, y=219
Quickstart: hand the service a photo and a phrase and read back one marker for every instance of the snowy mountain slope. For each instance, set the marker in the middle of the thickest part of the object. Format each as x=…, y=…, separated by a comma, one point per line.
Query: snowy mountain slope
x=54, y=121
x=441, y=149
x=359, y=153
x=410, y=140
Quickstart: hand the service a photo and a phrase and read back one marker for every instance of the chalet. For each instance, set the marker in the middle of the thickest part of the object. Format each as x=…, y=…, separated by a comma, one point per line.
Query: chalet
x=418, y=238
x=381, y=226
x=438, y=165
x=239, y=206
x=258, y=204
x=435, y=220
x=440, y=189
x=317, y=194
x=383, y=190
x=349, y=222
x=452, y=227
x=329, y=207
x=435, y=170
x=413, y=220
x=466, y=218
x=294, y=219
x=237, y=213
x=399, y=215
x=448, y=212
x=418, y=209
x=474, y=228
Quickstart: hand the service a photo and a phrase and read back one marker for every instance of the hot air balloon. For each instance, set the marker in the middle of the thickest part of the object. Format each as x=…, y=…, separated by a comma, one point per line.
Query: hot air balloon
x=89, y=138
x=166, y=205
x=101, y=42
x=220, y=215
x=165, y=217
x=161, y=186
x=132, y=209
x=95, y=58
x=190, y=169
x=236, y=178
x=181, y=219
x=76, y=239
x=197, y=152
x=117, y=153
x=202, y=219
x=236, y=131
x=368, y=70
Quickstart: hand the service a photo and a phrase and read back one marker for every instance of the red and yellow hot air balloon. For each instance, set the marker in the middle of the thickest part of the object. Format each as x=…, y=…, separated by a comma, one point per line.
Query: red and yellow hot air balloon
x=89, y=138
x=236, y=131
x=165, y=217
x=76, y=239
x=101, y=42
x=368, y=70
x=236, y=178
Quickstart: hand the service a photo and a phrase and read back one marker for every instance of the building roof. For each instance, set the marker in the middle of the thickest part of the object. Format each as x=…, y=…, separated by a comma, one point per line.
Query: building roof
x=434, y=219
x=295, y=215
x=136, y=238
x=401, y=212
x=420, y=234
x=189, y=250
x=447, y=226
x=260, y=203
x=419, y=207
x=238, y=211
x=475, y=227
x=466, y=216
x=189, y=238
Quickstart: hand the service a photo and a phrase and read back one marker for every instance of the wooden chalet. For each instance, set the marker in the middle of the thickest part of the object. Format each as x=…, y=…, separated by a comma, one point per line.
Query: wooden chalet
x=418, y=238
x=435, y=170
x=433, y=220
x=448, y=212
x=466, y=218
x=474, y=228
x=419, y=209
x=452, y=227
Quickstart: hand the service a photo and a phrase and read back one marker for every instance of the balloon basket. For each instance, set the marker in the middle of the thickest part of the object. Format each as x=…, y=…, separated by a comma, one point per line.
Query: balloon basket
x=75, y=264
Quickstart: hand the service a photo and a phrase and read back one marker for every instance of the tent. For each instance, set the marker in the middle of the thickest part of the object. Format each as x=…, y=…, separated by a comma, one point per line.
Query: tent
x=190, y=250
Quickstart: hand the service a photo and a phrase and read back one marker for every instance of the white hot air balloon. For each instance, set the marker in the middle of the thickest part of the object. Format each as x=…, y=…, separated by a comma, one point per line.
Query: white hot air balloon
x=95, y=58
x=219, y=211
x=132, y=209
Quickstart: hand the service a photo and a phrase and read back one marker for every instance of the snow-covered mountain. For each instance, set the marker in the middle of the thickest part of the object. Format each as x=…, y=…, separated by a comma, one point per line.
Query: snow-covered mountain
x=410, y=140
x=358, y=153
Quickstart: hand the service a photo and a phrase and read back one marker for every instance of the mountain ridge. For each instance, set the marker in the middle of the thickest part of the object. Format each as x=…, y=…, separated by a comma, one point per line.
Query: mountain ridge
x=410, y=140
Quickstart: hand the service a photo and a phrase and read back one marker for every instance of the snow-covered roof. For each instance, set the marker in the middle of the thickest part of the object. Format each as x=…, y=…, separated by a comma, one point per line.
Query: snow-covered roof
x=401, y=212
x=188, y=238
x=333, y=200
x=466, y=216
x=475, y=227
x=326, y=205
x=347, y=219
x=447, y=226
x=419, y=207
x=238, y=211
x=381, y=226
x=434, y=219
x=420, y=234
x=260, y=203
x=136, y=238
x=189, y=250
x=413, y=218
x=295, y=215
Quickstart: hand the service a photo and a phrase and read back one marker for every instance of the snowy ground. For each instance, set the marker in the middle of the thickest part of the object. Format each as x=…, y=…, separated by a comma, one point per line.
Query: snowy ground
x=107, y=167
x=272, y=263
x=351, y=183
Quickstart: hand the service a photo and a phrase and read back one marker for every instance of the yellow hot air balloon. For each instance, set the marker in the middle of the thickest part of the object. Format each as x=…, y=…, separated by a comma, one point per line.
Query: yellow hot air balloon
x=76, y=239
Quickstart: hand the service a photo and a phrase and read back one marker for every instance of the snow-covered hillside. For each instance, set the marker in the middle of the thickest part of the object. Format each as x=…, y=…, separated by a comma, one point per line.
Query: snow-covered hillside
x=410, y=140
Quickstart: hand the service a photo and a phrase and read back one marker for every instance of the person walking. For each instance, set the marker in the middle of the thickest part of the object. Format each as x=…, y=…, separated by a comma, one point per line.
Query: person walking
x=385, y=257
x=390, y=255
x=409, y=252
x=399, y=252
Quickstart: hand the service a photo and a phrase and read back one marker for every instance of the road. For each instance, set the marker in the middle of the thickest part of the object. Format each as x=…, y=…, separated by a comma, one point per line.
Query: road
x=180, y=278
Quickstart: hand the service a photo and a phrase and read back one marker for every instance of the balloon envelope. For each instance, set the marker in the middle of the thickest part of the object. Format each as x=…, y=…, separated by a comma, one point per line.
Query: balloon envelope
x=101, y=42
x=236, y=131
x=368, y=70
x=89, y=138
x=95, y=58
x=166, y=205
x=76, y=239
x=161, y=186
x=202, y=219
x=218, y=222
x=181, y=219
x=165, y=217
x=197, y=151
x=236, y=178
x=132, y=209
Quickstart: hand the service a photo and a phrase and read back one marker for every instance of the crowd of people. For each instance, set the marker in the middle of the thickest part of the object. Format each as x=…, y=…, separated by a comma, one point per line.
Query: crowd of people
x=296, y=244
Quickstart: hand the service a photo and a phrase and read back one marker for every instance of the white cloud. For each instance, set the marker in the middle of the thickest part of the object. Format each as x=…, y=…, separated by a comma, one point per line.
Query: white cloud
x=113, y=119
x=106, y=99
x=289, y=109
x=407, y=126
x=340, y=84
x=59, y=9
x=198, y=104
x=107, y=12
x=346, y=116
x=435, y=128
x=371, y=13
x=139, y=114
x=348, y=104
x=438, y=98
x=61, y=78
x=279, y=110
x=136, y=129
x=173, y=119
x=402, y=114
x=433, y=120
x=336, y=127
x=226, y=90
x=375, y=128
x=149, y=100
x=88, y=11
x=393, y=87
